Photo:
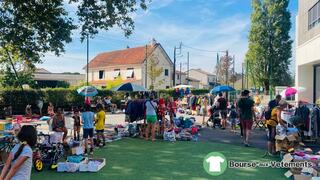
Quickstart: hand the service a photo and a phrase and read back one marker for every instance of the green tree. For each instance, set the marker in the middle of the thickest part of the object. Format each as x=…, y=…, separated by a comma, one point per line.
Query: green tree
x=154, y=72
x=224, y=70
x=269, y=54
x=29, y=29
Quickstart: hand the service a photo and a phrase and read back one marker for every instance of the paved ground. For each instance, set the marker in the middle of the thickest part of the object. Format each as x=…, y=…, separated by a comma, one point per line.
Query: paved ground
x=211, y=134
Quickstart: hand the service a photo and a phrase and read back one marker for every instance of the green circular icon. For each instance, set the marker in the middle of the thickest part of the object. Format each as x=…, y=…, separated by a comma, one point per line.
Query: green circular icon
x=215, y=163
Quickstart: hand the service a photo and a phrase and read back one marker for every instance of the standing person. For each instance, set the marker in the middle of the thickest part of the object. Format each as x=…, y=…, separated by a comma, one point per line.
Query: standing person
x=28, y=111
x=222, y=106
x=50, y=109
x=76, y=125
x=233, y=118
x=271, y=105
x=272, y=123
x=204, y=108
x=59, y=123
x=151, y=117
x=87, y=121
x=161, y=115
x=100, y=121
x=19, y=163
x=172, y=108
x=246, y=108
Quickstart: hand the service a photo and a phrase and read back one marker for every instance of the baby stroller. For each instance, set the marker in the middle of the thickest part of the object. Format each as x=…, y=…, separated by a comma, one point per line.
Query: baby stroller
x=214, y=119
x=47, y=152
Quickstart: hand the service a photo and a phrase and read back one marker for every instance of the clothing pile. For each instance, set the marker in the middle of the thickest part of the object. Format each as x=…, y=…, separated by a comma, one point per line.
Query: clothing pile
x=303, y=156
x=185, y=129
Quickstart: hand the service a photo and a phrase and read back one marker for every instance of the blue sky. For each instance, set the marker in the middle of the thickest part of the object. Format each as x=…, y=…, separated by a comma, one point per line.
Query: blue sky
x=213, y=25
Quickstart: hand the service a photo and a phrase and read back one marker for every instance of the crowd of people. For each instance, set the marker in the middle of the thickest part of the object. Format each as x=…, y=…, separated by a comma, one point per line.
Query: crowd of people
x=242, y=111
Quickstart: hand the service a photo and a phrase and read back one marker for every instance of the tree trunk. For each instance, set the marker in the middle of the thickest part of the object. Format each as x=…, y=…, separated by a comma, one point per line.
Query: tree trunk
x=266, y=87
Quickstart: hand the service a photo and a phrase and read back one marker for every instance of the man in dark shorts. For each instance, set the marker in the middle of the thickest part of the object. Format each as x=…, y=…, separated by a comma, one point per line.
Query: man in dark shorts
x=223, y=105
x=247, y=115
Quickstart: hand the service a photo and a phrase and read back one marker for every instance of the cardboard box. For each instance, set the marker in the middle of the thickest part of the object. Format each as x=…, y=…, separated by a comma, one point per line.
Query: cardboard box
x=291, y=138
x=287, y=158
x=281, y=138
x=86, y=166
x=301, y=177
x=68, y=167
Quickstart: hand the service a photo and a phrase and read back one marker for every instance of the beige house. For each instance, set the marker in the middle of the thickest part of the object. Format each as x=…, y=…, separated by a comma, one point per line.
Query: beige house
x=181, y=78
x=307, y=49
x=207, y=80
x=131, y=66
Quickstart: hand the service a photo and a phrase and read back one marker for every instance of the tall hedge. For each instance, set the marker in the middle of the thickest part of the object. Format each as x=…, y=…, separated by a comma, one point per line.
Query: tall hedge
x=61, y=97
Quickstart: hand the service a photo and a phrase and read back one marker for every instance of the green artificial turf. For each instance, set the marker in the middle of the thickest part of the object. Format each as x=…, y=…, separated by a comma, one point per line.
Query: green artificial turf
x=137, y=159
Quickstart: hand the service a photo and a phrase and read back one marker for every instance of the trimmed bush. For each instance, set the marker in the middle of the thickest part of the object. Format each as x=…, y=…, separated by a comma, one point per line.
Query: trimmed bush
x=63, y=98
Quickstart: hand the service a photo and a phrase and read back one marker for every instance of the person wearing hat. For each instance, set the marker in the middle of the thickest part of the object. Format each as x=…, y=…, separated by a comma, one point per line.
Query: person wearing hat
x=246, y=113
x=272, y=123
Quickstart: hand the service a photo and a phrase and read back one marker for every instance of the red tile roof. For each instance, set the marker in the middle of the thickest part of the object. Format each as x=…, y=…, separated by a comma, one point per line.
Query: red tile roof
x=122, y=57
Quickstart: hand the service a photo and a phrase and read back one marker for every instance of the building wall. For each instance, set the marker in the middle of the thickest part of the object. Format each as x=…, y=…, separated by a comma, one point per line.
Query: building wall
x=195, y=84
x=307, y=51
x=109, y=72
x=72, y=79
x=203, y=78
x=304, y=34
x=164, y=62
x=183, y=78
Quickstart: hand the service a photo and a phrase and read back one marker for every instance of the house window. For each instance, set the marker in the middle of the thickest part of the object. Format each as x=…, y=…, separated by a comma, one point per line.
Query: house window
x=314, y=16
x=178, y=76
x=116, y=73
x=167, y=87
x=166, y=72
x=101, y=74
x=130, y=73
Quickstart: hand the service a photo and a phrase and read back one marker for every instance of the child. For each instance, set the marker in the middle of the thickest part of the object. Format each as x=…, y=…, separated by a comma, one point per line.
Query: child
x=233, y=117
x=100, y=121
x=20, y=158
x=87, y=121
x=76, y=125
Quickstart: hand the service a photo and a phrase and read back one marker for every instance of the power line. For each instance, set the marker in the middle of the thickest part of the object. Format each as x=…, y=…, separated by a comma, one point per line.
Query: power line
x=203, y=50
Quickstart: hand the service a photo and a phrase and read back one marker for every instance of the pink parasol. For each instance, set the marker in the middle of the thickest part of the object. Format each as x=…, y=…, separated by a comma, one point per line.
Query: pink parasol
x=290, y=91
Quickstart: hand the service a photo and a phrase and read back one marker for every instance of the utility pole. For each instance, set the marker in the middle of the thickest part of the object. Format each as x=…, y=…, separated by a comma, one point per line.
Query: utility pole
x=247, y=74
x=217, y=69
x=88, y=60
x=146, y=74
x=242, y=76
x=227, y=66
x=233, y=72
x=188, y=68
x=180, y=73
x=174, y=62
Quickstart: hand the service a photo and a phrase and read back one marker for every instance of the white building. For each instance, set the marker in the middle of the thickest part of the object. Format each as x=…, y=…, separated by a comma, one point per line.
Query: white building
x=308, y=49
x=131, y=64
x=207, y=80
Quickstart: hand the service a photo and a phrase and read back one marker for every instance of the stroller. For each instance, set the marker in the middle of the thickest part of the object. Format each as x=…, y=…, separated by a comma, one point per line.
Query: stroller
x=47, y=152
x=214, y=119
